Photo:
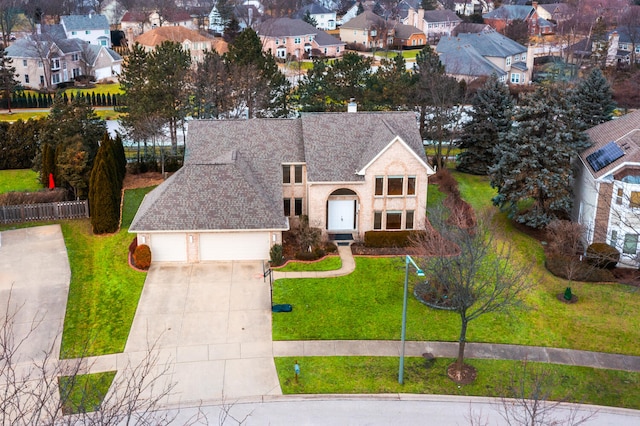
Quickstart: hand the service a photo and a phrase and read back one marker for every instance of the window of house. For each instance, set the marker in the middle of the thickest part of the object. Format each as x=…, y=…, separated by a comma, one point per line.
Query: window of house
x=287, y=206
x=297, y=173
x=516, y=58
x=630, y=244
x=508, y=60
x=26, y=78
x=76, y=72
x=24, y=62
x=613, y=242
x=277, y=42
x=503, y=78
x=377, y=220
x=409, y=220
x=286, y=173
x=394, y=220
x=515, y=78
x=619, y=195
x=106, y=32
x=74, y=57
x=624, y=46
x=298, y=206
x=73, y=33
x=39, y=64
x=296, y=40
x=42, y=80
x=379, y=185
x=337, y=49
x=638, y=48
x=55, y=78
x=411, y=185
x=394, y=185
x=634, y=200
x=103, y=42
x=87, y=32
x=523, y=57
x=55, y=64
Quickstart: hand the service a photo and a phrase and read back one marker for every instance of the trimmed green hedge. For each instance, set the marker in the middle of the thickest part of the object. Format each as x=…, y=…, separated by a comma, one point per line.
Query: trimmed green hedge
x=380, y=239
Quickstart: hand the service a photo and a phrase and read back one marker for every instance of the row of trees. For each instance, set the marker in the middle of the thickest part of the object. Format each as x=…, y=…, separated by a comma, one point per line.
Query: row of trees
x=21, y=99
x=528, y=148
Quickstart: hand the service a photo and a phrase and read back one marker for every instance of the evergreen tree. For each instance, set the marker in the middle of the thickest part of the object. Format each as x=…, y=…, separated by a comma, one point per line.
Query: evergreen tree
x=120, y=156
x=48, y=164
x=231, y=30
x=309, y=19
x=429, y=4
x=388, y=88
x=104, y=212
x=490, y=118
x=534, y=159
x=8, y=80
x=593, y=99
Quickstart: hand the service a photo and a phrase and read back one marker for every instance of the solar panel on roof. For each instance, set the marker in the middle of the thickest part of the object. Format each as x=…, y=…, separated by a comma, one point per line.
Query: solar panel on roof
x=604, y=156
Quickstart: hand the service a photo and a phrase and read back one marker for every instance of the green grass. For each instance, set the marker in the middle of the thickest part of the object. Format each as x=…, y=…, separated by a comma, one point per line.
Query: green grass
x=329, y=263
x=367, y=304
x=320, y=375
x=434, y=196
x=104, y=290
x=84, y=393
x=106, y=114
x=23, y=180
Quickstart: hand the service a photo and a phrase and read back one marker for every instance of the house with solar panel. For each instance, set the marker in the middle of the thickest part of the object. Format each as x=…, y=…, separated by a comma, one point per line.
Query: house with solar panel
x=608, y=187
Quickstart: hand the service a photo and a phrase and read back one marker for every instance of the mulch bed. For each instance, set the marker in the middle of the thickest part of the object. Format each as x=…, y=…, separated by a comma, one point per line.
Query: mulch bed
x=466, y=375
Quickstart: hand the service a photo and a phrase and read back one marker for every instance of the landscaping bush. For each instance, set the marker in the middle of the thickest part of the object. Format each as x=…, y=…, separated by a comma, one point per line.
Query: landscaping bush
x=276, y=255
x=379, y=239
x=142, y=256
x=39, y=197
x=584, y=271
x=602, y=255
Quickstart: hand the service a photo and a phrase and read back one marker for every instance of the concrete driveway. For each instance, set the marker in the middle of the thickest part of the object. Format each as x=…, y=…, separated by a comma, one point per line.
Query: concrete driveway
x=34, y=285
x=212, y=323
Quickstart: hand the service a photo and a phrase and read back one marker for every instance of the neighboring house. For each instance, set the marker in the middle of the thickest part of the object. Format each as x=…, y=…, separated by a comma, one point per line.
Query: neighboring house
x=350, y=13
x=407, y=36
x=470, y=7
x=247, y=14
x=286, y=37
x=113, y=10
x=137, y=22
x=608, y=186
x=434, y=23
x=244, y=181
x=556, y=12
x=503, y=16
x=91, y=28
x=325, y=18
x=368, y=30
x=43, y=63
x=190, y=40
x=468, y=56
x=624, y=45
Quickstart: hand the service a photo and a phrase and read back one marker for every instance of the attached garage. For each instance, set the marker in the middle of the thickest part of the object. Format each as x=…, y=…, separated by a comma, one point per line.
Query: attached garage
x=234, y=246
x=168, y=247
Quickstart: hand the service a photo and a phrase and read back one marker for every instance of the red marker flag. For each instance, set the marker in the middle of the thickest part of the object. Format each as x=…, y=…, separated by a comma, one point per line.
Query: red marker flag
x=52, y=184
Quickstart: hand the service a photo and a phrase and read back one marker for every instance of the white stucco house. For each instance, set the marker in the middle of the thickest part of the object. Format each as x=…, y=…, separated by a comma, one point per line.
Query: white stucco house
x=243, y=181
x=608, y=186
x=92, y=28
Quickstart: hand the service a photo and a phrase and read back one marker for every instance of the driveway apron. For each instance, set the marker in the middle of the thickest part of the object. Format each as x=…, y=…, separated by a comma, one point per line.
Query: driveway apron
x=211, y=325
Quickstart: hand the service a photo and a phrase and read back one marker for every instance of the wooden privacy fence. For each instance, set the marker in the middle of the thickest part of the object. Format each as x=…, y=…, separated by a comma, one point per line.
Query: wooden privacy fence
x=44, y=211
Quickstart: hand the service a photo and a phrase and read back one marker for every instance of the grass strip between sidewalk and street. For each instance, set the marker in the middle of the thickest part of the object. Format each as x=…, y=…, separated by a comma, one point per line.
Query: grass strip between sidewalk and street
x=368, y=375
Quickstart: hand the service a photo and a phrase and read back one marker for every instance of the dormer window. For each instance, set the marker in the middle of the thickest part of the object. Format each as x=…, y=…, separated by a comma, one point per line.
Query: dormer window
x=55, y=64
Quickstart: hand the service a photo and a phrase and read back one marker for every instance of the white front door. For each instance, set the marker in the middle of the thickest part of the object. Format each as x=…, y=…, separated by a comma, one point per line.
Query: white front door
x=341, y=215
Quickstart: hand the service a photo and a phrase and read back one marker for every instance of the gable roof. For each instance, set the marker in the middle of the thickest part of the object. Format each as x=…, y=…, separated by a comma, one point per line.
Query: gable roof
x=465, y=60
x=175, y=33
x=313, y=9
x=285, y=27
x=232, y=173
x=404, y=32
x=445, y=15
x=625, y=132
x=487, y=44
x=469, y=27
x=366, y=19
x=510, y=12
x=84, y=22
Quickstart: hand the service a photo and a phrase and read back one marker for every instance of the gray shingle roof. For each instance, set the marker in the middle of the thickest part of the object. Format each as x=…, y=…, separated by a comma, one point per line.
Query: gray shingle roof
x=404, y=32
x=625, y=131
x=366, y=19
x=441, y=16
x=510, y=12
x=492, y=44
x=465, y=60
x=84, y=22
x=313, y=9
x=285, y=27
x=232, y=175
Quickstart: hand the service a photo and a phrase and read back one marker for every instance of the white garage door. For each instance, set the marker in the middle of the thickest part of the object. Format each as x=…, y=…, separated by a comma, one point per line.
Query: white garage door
x=234, y=246
x=168, y=248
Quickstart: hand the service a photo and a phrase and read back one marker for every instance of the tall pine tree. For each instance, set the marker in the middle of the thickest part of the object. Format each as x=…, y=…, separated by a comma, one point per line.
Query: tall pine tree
x=534, y=159
x=490, y=118
x=593, y=99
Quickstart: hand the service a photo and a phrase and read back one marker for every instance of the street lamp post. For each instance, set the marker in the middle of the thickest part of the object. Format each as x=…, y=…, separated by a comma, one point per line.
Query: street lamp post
x=420, y=273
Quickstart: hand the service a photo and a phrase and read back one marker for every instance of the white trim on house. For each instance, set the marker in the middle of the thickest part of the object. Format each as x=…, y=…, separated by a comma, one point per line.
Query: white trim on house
x=363, y=171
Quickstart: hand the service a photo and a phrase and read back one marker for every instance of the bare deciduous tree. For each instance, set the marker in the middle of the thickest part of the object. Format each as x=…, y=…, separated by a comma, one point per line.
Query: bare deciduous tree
x=477, y=270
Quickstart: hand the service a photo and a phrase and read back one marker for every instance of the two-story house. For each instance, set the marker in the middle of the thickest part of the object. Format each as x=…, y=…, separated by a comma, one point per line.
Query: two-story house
x=503, y=16
x=468, y=56
x=137, y=22
x=325, y=19
x=191, y=41
x=245, y=181
x=434, y=23
x=368, y=30
x=623, y=45
x=470, y=7
x=91, y=28
x=286, y=37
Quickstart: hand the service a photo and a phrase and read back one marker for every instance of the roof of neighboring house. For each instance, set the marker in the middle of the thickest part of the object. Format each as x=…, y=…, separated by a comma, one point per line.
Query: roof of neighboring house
x=510, y=12
x=366, y=19
x=625, y=132
x=325, y=39
x=405, y=32
x=84, y=22
x=176, y=34
x=55, y=31
x=491, y=44
x=313, y=9
x=285, y=27
x=562, y=8
x=625, y=34
x=445, y=15
x=468, y=27
x=464, y=59
x=134, y=16
x=232, y=173
x=92, y=52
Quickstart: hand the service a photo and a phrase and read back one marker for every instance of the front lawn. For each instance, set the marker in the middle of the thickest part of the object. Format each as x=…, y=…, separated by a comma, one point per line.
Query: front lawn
x=104, y=290
x=367, y=304
x=364, y=375
x=21, y=180
x=329, y=263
